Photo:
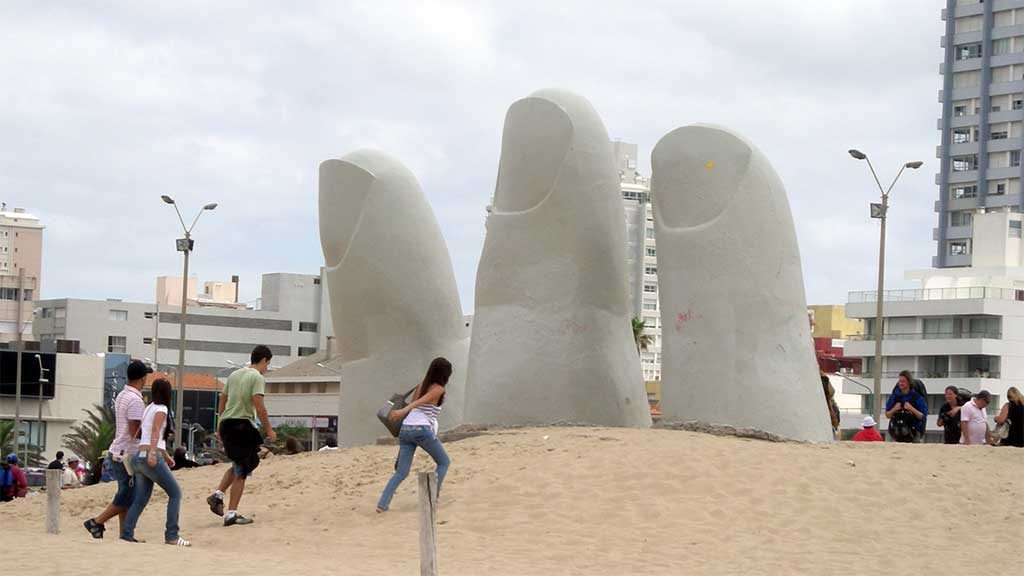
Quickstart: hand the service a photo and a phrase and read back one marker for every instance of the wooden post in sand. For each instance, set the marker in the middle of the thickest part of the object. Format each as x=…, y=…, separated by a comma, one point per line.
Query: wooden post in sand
x=53, y=488
x=428, y=524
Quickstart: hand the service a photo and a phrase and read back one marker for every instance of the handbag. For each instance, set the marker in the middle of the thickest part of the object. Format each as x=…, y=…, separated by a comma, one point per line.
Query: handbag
x=397, y=402
x=1002, y=431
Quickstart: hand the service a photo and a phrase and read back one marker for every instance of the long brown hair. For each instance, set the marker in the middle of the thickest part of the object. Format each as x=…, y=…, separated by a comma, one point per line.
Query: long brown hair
x=1014, y=395
x=439, y=372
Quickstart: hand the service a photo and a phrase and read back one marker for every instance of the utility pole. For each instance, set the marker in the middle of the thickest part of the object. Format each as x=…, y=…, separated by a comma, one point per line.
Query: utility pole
x=19, y=301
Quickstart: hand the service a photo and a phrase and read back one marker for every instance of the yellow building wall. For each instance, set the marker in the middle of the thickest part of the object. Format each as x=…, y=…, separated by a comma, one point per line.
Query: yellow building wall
x=830, y=321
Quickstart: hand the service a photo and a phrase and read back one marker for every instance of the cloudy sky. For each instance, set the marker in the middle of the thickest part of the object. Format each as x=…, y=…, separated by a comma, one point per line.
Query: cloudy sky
x=104, y=106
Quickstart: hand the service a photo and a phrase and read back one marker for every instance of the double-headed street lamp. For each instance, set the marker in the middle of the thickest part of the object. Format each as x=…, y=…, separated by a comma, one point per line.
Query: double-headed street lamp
x=880, y=211
x=184, y=245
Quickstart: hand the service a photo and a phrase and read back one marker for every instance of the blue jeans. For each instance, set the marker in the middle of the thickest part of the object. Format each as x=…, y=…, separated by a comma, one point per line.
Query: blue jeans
x=408, y=439
x=125, y=491
x=145, y=477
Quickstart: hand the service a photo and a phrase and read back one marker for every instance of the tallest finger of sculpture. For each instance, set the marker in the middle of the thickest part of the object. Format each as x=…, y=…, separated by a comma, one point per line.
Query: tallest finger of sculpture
x=393, y=298
x=552, y=340
x=736, y=345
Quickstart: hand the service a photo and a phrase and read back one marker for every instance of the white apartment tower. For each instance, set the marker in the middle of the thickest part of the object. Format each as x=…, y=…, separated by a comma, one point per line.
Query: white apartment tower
x=641, y=254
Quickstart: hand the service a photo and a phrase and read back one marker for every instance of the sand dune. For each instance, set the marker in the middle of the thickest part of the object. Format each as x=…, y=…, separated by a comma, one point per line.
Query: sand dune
x=591, y=501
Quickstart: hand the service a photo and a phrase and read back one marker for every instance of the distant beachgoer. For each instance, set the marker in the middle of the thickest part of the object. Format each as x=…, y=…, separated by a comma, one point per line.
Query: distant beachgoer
x=830, y=402
x=292, y=446
x=181, y=459
x=1014, y=410
x=240, y=403
x=70, y=478
x=57, y=463
x=868, y=432
x=128, y=408
x=420, y=429
x=974, y=421
x=949, y=416
x=906, y=410
x=13, y=483
x=330, y=444
x=152, y=465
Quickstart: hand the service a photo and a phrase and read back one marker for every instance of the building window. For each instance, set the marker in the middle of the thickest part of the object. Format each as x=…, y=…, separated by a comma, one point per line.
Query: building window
x=1018, y=103
x=651, y=252
x=968, y=51
x=960, y=218
x=150, y=315
x=1001, y=46
x=60, y=312
x=650, y=288
x=960, y=110
x=996, y=108
x=147, y=340
x=306, y=351
x=961, y=135
x=650, y=270
x=965, y=191
x=1000, y=189
x=308, y=326
x=965, y=163
x=316, y=281
x=1015, y=228
x=650, y=305
x=8, y=293
x=117, y=344
x=1015, y=158
x=1001, y=135
x=650, y=233
x=119, y=315
x=958, y=248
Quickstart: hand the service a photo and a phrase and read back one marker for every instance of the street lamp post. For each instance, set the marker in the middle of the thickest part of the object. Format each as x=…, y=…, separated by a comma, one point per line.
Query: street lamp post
x=184, y=245
x=880, y=211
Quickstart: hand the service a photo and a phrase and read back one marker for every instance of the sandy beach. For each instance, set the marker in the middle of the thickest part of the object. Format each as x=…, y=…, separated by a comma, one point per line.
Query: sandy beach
x=591, y=501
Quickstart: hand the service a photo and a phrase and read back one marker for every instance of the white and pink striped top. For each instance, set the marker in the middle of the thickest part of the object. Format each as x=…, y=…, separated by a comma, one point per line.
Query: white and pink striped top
x=128, y=405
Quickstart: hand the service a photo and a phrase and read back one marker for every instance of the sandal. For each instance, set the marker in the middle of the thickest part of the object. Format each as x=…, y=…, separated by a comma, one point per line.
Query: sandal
x=181, y=542
x=94, y=528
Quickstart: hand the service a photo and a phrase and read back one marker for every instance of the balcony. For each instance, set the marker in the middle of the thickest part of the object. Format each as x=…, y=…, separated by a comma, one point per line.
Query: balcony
x=921, y=294
x=924, y=374
x=962, y=335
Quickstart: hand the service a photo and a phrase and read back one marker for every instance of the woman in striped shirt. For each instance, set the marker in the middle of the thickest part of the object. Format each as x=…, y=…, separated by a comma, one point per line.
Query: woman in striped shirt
x=420, y=429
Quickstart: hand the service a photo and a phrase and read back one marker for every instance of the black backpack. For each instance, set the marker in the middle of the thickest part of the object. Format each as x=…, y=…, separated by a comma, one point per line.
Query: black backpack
x=903, y=426
x=6, y=483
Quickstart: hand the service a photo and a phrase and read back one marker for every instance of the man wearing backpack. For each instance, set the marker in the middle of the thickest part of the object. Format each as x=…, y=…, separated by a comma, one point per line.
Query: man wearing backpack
x=907, y=410
x=13, y=483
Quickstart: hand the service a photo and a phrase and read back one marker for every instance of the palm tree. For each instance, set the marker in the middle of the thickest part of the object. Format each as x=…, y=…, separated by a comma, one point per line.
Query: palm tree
x=642, y=340
x=91, y=436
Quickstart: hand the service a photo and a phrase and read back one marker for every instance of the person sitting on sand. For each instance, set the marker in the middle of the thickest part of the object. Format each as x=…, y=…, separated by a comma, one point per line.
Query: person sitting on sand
x=330, y=445
x=868, y=432
x=69, y=478
x=420, y=429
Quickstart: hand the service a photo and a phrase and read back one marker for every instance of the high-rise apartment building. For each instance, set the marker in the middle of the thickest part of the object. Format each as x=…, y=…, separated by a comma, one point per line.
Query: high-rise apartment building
x=641, y=254
x=982, y=100
x=21, y=248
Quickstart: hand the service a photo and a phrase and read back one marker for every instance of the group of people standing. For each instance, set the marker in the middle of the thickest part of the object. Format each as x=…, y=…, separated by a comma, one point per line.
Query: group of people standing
x=963, y=417
x=138, y=457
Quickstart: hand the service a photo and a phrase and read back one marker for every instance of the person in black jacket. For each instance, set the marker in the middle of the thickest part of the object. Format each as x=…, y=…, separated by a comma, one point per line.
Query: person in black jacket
x=949, y=416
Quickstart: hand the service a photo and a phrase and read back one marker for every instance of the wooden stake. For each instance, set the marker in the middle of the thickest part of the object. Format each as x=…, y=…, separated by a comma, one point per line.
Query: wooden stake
x=428, y=523
x=53, y=488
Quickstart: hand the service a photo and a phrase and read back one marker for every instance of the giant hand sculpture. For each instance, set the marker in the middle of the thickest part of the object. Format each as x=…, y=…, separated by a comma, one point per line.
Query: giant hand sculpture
x=552, y=340
x=393, y=297
x=736, y=345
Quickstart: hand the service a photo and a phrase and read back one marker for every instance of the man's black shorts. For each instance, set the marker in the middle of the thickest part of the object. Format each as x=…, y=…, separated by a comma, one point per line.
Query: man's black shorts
x=241, y=445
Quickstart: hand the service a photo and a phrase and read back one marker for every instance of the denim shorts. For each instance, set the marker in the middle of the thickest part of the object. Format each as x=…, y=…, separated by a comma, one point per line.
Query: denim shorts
x=125, y=492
